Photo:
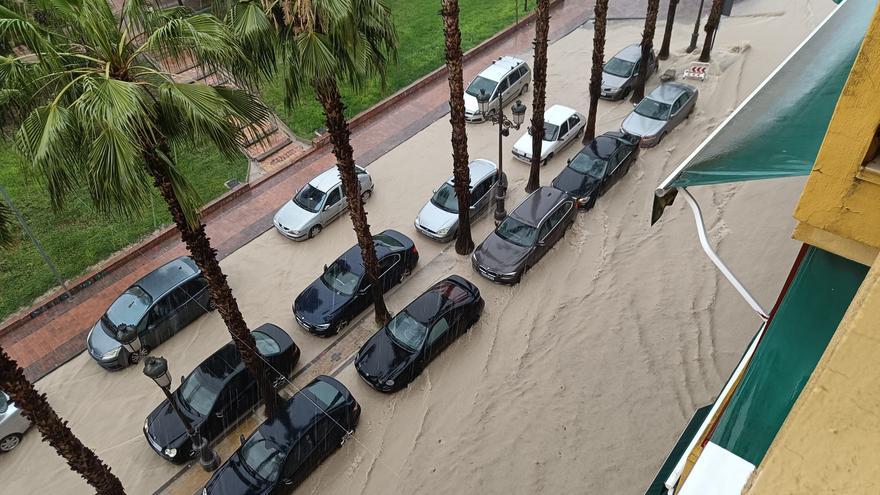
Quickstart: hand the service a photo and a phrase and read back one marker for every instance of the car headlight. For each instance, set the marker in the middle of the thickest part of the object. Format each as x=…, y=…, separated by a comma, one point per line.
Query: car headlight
x=325, y=326
x=443, y=231
x=204, y=491
x=147, y=425
x=511, y=274
x=170, y=452
x=112, y=354
x=416, y=222
x=389, y=383
x=584, y=200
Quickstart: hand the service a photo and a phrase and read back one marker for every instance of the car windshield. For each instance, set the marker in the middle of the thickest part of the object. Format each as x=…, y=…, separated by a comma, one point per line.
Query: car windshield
x=479, y=83
x=340, y=277
x=590, y=165
x=262, y=456
x=653, y=109
x=4, y=402
x=129, y=308
x=309, y=198
x=407, y=332
x=517, y=232
x=619, y=68
x=445, y=198
x=196, y=395
x=550, y=131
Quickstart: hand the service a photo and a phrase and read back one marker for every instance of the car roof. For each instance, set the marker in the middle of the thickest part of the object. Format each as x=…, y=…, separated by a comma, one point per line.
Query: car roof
x=500, y=67
x=226, y=361
x=602, y=146
x=353, y=254
x=632, y=53
x=537, y=205
x=326, y=180
x=168, y=276
x=557, y=114
x=436, y=300
x=668, y=92
x=479, y=170
x=297, y=416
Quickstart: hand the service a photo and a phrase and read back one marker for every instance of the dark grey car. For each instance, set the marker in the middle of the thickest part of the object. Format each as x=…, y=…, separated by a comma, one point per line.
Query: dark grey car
x=525, y=236
x=159, y=305
x=620, y=72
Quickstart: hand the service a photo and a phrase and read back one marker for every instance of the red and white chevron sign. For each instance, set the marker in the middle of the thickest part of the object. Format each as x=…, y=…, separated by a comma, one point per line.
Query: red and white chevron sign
x=697, y=71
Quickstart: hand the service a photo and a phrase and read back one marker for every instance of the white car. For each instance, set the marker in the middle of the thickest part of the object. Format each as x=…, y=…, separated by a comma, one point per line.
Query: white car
x=562, y=126
x=317, y=204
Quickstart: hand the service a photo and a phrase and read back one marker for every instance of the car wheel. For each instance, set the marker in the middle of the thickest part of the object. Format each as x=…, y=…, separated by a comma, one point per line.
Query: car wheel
x=546, y=160
x=10, y=442
x=135, y=357
x=211, y=304
x=524, y=90
x=341, y=326
x=366, y=195
x=279, y=382
x=345, y=437
x=315, y=231
x=403, y=276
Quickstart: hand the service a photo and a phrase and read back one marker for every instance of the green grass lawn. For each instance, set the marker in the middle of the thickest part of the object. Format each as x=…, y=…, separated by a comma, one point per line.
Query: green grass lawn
x=78, y=236
x=420, y=30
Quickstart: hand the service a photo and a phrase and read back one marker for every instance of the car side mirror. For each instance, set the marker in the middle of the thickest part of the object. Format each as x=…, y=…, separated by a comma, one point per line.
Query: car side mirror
x=569, y=161
x=219, y=414
x=241, y=439
x=287, y=481
x=325, y=268
x=364, y=290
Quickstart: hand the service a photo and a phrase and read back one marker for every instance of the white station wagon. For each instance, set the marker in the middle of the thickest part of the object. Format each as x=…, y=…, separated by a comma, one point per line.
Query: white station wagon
x=317, y=204
x=506, y=78
x=562, y=126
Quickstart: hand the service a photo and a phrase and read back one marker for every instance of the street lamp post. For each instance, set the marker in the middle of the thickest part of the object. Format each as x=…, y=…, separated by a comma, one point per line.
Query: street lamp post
x=504, y=125
x=696, y=34
x=127, y=335
x=157, y=369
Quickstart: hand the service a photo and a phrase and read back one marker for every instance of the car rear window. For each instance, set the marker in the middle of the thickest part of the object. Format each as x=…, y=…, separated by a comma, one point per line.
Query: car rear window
x=266, y=345
x=387, y=240
x=327, y=395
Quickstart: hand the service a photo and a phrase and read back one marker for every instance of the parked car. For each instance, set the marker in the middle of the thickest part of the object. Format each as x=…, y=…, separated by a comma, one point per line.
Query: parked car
x=283, y=451
x=343, y=291
x=13, y=424
x=525, y=236
x=506, y=78
x=317, y=204
x=620, y=73
x=666, y=107
x=218, y=393
x=562, y=126
x=597, y=167
x=438, y=219
x=159, y=305
x=400, y=350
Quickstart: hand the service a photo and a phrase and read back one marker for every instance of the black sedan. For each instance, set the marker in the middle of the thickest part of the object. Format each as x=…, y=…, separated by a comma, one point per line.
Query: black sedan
x=286, y=449
x=597, y=167
x=343, y=291
x=218, y=393
x=398, y=352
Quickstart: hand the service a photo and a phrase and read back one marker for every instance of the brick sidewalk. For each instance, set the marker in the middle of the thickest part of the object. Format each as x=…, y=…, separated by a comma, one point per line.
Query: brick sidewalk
x=45, y=342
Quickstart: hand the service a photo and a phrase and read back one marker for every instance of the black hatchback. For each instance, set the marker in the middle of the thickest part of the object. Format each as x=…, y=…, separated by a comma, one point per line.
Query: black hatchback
x=286, y=449
x=398, y=352
x=343, y=291
x=597, y=167
x=218, y=393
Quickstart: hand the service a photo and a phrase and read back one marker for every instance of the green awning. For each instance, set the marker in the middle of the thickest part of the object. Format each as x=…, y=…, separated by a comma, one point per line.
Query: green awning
x=657, y=486
x=777, y=131
x=799, y=332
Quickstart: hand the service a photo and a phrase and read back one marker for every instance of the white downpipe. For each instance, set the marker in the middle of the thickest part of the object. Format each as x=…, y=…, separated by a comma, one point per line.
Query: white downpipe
x=704, y=241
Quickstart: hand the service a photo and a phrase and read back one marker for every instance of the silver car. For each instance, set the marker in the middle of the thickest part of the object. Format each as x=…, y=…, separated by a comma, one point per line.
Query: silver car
x=619, y=74
x=317, y=204
x=13, y=424
x=506, y=78
x=562, y=126
x=659, y=112
x=439, y=217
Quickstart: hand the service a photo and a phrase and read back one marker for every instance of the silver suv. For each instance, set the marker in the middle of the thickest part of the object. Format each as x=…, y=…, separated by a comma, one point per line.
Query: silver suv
x=317, y=204
x=13, y=424
x=439, y=217
x=506, y=78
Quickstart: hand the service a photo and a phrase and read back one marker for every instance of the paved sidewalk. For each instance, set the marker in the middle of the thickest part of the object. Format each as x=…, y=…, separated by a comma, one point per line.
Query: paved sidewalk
x=50, y=339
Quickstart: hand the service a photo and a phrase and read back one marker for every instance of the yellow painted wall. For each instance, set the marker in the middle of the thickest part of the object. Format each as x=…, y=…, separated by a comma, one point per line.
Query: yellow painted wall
x=830, y=442
x=841, y=200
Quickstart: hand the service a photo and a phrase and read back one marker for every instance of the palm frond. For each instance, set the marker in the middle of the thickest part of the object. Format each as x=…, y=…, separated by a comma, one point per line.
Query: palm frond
x=186, y=195
x=15, y=28
x=7, y=236
x=47, y=139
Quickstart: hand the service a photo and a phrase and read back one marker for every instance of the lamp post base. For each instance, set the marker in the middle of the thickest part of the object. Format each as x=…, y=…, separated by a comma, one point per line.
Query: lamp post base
x=208, y=459
x=500, y=194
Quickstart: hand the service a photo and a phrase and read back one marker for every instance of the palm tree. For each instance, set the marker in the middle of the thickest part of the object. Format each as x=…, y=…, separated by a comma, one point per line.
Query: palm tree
x=711, y=27
x=667, y=34
x=647, y=47
x=37, y=410
x=322, y=45
x=99, y=112
x=542, y=29
x=450, y=12
x=600, y=18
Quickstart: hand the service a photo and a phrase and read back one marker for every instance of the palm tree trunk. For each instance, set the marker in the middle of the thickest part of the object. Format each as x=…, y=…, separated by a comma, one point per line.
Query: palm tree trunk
x=647, y=46
x=199, y=245
x=334, y=113
x=542, y=29
x=667, y=34
x=464, y=244
x=711, y=26
x=600, y=18
x=37, y=410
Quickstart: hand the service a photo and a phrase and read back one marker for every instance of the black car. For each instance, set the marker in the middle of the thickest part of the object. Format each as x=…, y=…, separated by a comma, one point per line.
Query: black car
x=525, y=236
x=159, y=305
x=398, y=352
x=343, y=291
x=597, y=167
x=286, y=449
x=218, y=393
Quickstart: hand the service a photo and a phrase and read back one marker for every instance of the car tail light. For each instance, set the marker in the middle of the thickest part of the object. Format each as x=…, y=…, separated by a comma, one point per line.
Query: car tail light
x=414, y=250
